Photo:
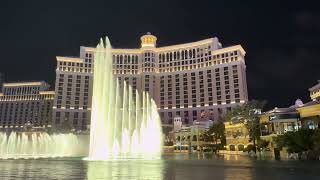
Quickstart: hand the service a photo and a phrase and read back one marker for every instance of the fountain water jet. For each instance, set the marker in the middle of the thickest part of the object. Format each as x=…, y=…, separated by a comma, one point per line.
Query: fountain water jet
x=122, y=124
x=26, y=145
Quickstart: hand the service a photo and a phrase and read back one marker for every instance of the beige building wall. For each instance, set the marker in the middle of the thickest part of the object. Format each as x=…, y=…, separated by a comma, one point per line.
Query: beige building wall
x=26, y=102
x=196, y=81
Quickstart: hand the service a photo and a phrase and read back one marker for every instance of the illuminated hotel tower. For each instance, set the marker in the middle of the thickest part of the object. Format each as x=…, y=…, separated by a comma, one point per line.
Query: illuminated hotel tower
x=26, y=102
x=195, y=81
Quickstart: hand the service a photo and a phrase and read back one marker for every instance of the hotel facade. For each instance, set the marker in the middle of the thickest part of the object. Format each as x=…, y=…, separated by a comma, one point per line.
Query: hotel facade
x=26, y=103
x=195, y=81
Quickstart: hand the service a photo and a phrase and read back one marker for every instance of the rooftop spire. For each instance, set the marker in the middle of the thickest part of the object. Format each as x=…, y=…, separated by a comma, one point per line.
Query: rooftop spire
x=148, y=41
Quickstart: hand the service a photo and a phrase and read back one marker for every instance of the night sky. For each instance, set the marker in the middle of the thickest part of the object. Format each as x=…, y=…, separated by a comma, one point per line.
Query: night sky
x=282, y=39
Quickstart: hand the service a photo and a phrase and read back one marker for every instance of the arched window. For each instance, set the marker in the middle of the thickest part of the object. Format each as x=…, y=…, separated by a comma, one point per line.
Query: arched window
x=240, y=147
x=121, y=57
x=194, y=138
x=200, y=138
x=232, y=147
x=178, y=138
x=125, y=59
x=114, y=60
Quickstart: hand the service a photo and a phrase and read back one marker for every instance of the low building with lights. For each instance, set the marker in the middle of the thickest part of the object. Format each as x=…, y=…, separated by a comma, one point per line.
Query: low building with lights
x=310, y=114
x=189, y=138
x=310, y=111
x=315, y=91
x=196, y=81
x=281, y=120
x=26, y=103
x=237, y=136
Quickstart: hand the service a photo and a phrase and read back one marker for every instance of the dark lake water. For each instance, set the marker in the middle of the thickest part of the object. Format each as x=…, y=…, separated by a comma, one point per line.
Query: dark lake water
x=169, y=167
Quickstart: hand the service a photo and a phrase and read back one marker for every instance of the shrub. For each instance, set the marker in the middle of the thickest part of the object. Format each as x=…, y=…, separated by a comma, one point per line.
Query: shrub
x=249, y=148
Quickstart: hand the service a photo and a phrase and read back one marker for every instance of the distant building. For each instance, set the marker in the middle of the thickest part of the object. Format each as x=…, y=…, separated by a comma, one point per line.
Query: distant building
x=177, y=124
x=195, y=81
x=73, y=89
x=315, y=91
x=310, y=114
x=310, y=111
x=188, y=138
x=24, y=103
x=281, y=120
x=237, y=136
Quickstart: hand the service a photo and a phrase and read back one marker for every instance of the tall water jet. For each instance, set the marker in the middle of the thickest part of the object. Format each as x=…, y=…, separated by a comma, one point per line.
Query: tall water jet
x=122, y=124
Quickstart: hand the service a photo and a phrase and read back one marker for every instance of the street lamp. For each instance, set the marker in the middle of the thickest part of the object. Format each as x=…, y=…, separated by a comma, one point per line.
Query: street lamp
x=213, y=137
x=198, y=146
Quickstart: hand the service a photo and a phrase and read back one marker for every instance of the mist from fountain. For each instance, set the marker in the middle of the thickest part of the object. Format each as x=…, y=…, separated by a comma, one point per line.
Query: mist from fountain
x=26, y=145
x=124, y=122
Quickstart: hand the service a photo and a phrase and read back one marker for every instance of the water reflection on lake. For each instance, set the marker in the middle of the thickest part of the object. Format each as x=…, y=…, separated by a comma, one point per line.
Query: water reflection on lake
x=170, y=167
x=123, y=169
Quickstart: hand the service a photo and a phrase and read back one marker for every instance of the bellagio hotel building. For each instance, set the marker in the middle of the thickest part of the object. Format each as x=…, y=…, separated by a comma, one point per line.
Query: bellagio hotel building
x=195, y=81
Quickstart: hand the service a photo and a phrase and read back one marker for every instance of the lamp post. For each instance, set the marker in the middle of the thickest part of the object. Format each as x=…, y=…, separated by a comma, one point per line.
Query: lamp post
x=198, y=146
x=254, y=127
x=215, y=142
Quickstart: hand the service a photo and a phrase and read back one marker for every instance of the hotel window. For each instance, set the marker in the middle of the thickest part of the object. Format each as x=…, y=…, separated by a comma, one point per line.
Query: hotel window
x=194, y=113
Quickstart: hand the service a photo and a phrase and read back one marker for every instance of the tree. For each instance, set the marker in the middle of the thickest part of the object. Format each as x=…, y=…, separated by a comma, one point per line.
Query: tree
x=217, y=131
x=316, y=140
x=216, y=134
x=248, y=114
x=261, y=143
x=299, y=141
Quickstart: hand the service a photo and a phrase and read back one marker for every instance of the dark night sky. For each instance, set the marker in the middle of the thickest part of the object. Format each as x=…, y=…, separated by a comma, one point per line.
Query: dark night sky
x=281, y=39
